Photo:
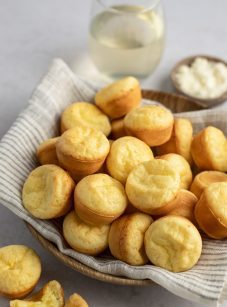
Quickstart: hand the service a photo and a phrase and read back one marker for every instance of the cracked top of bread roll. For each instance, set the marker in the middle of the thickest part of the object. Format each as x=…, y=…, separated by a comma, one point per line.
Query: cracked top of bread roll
x=102, y=194
x=83, y=143
x=182, y=166
x=149, y=117
x=47, y=191
x=125, y=154
x=152, y=184
x=85, y=114
x=173, y=243
x=20, y=269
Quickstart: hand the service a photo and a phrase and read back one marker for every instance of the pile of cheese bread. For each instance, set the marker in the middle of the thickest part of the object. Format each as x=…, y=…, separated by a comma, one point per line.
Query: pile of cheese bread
x=145, y=193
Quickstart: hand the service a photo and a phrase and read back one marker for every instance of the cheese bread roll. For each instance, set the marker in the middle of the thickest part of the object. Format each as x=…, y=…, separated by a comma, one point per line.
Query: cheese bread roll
x=118, y=98
x=85, y=114
x=210, y=211
x=99, y=199
x=83, y=237
x=209, y=150
x=125, y=154
x=173, y=243
x=126, y=238
x=20, y=270
x=151, y=124
x=82, y=150
x=47, y=192
x=180, y=140
x=152, y=185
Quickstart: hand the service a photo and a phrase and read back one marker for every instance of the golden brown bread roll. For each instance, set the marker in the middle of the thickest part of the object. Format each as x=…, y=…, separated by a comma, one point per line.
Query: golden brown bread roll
x=180, y=140
x=152, y=185
x=209, y=149
x=51, y=295
x=85, y=114
x=173, y=243
x=83, y=237
x=46, y=152
x=20, y=269
x=210, y=211
x=99, y=199
x=126, y=238
x=47, y=192
x=204, y=179
x=125, y=154
x=152, y=124
x=118, y=98
x=82, y=150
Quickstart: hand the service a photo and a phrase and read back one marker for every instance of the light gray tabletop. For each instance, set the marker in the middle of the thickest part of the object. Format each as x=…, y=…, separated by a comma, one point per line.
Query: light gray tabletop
x=34, y=32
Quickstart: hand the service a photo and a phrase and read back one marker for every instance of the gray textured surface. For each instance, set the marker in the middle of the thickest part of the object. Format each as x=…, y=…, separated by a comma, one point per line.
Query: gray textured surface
x=31, y=34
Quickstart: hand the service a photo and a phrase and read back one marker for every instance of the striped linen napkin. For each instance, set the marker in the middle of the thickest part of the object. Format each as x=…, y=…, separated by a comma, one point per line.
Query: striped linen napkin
x=205, y=283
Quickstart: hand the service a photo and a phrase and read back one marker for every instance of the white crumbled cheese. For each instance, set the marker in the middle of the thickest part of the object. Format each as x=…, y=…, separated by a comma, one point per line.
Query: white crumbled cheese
x=203, y=78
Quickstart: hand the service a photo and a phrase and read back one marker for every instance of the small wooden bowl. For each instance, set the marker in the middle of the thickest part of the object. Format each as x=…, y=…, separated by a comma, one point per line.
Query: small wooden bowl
x=177, y=104
x=205, y=103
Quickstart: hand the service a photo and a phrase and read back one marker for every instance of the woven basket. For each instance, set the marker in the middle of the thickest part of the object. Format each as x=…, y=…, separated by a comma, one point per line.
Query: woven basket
x=177, y=104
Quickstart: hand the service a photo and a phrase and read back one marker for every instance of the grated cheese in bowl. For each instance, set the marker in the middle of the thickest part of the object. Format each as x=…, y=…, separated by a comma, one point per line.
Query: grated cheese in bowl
x=203, y=78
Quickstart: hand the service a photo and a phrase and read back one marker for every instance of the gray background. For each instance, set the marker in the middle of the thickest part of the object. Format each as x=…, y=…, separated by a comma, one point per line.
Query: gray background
x=31, y=34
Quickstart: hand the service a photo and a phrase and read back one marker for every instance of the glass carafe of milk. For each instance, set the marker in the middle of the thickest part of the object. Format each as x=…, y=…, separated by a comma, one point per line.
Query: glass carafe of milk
x=126, y=37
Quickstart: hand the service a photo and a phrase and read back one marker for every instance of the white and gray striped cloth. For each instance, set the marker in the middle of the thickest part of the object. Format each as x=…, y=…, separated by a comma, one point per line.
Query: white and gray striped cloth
x=205, y=283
